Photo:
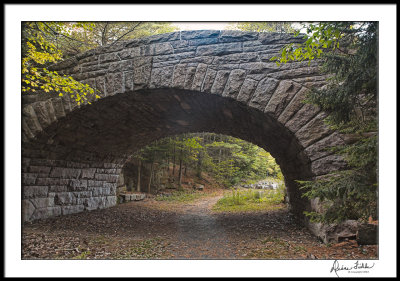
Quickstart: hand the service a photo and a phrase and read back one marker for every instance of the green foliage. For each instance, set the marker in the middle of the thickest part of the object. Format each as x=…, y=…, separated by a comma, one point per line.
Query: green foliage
x=240, y=196
x=235, y=161
x=267, y=26
x=38, y=51
x=237, y=198
x=319, y=38
x=351, y=94
x=349, y=194
x=348, y=55
x=152, y=152
x=45, y=43
x=182, y=196
x=251, y=199
x=229, y=160
x=190, y=148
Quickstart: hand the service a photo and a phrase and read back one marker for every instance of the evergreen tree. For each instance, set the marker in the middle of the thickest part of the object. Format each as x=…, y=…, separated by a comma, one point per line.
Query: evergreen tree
x=348, y=54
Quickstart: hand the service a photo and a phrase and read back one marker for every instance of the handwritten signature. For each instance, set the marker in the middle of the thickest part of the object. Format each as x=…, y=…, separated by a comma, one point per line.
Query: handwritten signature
x=357, y=265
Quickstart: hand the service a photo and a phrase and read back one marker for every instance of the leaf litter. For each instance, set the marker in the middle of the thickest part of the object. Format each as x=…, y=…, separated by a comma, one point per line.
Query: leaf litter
x=151, y=229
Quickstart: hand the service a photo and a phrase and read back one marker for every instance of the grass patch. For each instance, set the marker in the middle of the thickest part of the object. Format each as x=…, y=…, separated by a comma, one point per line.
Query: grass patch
x=248, y=207
x=182, y=196
x=239, y=200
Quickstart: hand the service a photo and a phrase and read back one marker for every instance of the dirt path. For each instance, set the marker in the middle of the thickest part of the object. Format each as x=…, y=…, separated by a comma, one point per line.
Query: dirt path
x=199, y=235
x=152, y=229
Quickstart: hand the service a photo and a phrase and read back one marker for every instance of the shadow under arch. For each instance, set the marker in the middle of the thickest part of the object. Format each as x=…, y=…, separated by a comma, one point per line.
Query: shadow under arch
x=119, y=125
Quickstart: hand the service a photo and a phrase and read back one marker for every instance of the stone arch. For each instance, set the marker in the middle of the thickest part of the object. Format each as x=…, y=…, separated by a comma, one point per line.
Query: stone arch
x=214, y=81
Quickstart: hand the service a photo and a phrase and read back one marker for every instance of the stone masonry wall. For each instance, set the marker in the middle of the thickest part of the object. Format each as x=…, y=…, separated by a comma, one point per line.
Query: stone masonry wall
x=232, y=64
x=53, y=187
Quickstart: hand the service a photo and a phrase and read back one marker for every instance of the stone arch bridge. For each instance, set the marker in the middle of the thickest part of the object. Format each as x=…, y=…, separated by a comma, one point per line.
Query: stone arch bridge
x=154, y=87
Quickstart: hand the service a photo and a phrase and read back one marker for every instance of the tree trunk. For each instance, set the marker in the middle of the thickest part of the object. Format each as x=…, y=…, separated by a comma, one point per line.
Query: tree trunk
x=151, y=174
x=199, y=164
x=103, y=35
x=180, y=173
x=129, y=184
x=167, y=168
x=173, y=161
x=138, y=177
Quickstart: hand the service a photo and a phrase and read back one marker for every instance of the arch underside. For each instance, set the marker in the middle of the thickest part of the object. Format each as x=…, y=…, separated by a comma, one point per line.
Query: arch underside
x=122, y=124
x=69, y=155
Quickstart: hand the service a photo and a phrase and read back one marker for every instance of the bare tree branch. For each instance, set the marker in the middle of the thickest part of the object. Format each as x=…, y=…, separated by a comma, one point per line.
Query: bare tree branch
x=132, y=29
x=57, y=33
x=103, y=35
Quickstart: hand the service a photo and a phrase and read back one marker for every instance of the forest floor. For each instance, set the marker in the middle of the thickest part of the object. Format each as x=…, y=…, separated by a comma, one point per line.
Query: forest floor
x=151, y=229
